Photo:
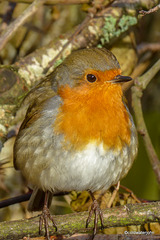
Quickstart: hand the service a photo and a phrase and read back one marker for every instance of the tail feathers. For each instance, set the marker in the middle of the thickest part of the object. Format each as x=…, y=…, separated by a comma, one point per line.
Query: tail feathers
x=36, y=201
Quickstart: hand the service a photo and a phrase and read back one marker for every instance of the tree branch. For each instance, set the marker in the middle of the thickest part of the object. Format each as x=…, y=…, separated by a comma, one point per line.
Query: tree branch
x=145, y=79
x=152, y=10
x=13, y=27
x=140, y=84
x=143, y=47
x=130, y=214
x=53, y=2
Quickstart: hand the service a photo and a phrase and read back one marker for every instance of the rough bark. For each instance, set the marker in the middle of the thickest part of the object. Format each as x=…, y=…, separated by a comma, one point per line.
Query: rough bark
x=130, y=214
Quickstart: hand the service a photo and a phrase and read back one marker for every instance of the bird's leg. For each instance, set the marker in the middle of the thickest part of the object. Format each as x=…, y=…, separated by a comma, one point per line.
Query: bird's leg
x=44, y=218
x=95, y=208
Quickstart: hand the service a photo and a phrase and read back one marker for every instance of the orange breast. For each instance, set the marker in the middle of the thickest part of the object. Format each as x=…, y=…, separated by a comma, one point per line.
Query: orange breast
x=93, y=114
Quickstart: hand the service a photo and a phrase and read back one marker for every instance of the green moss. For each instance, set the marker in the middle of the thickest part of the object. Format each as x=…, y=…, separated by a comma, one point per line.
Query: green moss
x=109, y=29
x=113, y=28
x=126, y=21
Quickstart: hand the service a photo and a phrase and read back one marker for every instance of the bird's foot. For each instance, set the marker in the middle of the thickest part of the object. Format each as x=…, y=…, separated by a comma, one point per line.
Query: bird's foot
x=95, y=208
x=44, y=220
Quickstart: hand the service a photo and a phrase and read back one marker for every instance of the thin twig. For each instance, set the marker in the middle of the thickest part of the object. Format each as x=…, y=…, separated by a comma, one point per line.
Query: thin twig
x=109, y=204
x=152, y=10
x=14, y=200
x=145, y=79
x=143, y=47
x=23, y=198
x=131, y=193
x=140, y=69
x=13, y=27
x=140, y=84
x=71, y=38
x=53, y=2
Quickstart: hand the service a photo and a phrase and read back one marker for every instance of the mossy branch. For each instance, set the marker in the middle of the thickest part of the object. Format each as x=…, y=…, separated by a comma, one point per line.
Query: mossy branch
x=130, y=214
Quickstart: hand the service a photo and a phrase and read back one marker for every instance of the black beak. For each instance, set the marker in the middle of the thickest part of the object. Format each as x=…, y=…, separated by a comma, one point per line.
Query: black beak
x=120, y=79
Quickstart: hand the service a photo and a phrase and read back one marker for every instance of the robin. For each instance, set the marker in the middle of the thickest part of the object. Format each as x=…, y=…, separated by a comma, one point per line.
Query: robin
x=78, y=133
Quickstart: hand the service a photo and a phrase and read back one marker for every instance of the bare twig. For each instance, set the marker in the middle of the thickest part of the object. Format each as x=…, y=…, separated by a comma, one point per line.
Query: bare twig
x=13, y=27
x=152, y=10
x=17, y=199
x=109, y=204
x=145, y=79
x=52, y=2
x=143, y=47
x=22, y=198
x=140, y=69
x=140, y=84
x=131, y=193
x=71, y=38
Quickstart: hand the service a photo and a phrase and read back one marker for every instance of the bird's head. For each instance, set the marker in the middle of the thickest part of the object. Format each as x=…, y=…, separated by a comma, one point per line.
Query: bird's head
x=93, y=66
x=92, y=106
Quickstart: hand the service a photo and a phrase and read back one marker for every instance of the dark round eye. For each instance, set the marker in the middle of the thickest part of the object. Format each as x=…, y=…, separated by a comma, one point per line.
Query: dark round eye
x=91, y=78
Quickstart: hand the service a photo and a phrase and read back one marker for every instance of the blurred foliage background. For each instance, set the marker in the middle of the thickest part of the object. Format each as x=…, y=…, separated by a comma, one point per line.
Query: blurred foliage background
x=50, y=22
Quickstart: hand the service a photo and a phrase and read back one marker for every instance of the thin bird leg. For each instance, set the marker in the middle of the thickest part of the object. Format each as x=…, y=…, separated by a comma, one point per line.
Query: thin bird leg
x=95, y=208
x=44, y=218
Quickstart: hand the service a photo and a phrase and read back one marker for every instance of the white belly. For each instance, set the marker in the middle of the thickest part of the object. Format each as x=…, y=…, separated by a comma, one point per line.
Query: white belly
x=91, y=169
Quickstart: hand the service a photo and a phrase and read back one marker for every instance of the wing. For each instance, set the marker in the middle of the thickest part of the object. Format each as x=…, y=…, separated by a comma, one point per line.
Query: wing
x=35, y=99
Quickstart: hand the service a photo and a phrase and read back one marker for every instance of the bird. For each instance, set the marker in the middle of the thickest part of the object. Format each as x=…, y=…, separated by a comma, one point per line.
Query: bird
x=78, y=133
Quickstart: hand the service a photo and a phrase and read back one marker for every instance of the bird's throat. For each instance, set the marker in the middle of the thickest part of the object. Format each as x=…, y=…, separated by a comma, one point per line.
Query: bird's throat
x=93, y=114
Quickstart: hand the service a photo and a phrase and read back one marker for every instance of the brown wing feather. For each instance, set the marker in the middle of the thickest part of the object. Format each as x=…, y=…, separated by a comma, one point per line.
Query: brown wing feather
x=36, y=98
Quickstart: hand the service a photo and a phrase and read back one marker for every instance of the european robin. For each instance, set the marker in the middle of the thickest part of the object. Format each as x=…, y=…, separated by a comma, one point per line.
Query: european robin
x=78, y=133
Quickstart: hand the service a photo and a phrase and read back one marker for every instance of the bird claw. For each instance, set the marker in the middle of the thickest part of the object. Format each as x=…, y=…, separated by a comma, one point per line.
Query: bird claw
x=44, y=219
x=95, y=208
